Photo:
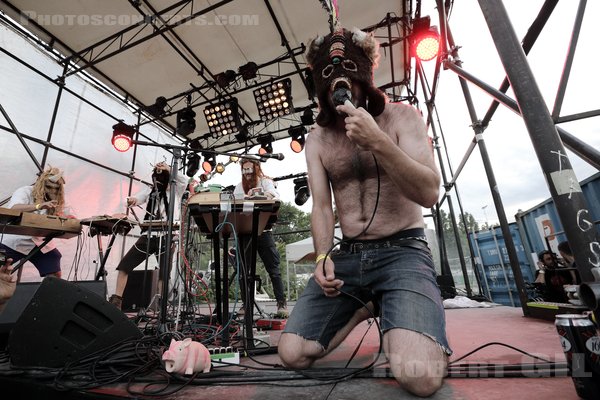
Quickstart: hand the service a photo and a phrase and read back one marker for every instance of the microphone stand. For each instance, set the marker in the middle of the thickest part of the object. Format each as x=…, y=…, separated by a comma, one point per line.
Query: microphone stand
x=166, y=270
x=154, y=201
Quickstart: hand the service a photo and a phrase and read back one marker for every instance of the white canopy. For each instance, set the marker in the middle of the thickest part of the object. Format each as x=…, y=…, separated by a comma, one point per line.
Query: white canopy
x=303, y=250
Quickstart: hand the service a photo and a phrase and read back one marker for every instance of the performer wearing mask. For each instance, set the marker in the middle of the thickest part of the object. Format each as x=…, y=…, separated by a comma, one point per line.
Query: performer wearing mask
x=375, y=159
x=46, y=196
x=253, y=179
x=154, y=242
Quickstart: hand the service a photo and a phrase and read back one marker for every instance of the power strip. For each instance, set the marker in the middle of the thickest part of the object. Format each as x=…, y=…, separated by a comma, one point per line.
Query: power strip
x=228, y=355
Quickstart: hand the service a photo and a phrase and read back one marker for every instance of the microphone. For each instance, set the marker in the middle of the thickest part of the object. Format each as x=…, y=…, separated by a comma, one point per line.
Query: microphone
x=277, y=156
x=341, y=95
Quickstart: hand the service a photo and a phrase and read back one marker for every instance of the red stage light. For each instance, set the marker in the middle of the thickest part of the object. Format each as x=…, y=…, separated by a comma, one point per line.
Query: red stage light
x=424, y=39
x=122, y=138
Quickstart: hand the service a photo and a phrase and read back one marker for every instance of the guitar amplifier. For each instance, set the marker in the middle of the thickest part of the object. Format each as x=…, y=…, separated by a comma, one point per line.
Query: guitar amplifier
x=138, y=292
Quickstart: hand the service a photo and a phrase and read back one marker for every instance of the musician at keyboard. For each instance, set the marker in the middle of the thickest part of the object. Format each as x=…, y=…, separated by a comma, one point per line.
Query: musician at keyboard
x=152, y=241
x=46, y=196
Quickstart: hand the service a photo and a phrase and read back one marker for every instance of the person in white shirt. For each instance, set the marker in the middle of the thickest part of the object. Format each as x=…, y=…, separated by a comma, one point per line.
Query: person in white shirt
x=46, y=196
x=255, y=182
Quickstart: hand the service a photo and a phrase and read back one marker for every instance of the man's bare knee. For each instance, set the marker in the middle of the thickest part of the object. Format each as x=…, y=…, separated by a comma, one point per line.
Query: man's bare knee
x=296, y=352
x=423, y=386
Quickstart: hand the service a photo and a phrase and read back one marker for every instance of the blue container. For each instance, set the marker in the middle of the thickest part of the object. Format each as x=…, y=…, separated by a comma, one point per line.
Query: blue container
x=493, y=266
x=540, y=226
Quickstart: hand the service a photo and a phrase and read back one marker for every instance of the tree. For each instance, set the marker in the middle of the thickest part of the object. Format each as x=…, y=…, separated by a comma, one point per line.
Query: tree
x=448, y=231
x=292, y=224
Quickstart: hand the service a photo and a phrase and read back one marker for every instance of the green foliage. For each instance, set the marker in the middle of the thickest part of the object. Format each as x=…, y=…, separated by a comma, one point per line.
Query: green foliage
x=292, y=225
x=449, y=235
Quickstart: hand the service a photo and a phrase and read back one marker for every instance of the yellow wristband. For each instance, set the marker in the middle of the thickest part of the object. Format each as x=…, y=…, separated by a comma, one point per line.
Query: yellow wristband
x=38, y=206
x=321, y=257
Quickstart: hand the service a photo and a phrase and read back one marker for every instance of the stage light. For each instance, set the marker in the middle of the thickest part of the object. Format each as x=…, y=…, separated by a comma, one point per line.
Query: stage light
x=301, y=190
x=242, y=135
x=425, y=40
x=186, y=123
x=225, y=78
x=220, y=168
x=248, y=71
x=195, y=145
x=297, y=134
x=266, y=145
x=158, y=108
x=193, y=164
x=209, y=163
x=223, y=118
x=234, y=158
x=307, y=117
x=274, y=100
x=122, y=137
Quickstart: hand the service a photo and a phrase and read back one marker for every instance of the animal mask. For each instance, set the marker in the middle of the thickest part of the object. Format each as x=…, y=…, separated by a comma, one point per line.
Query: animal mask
x=340, y=60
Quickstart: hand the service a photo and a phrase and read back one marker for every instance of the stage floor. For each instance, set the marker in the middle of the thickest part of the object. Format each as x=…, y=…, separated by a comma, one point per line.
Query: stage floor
x=468, y=329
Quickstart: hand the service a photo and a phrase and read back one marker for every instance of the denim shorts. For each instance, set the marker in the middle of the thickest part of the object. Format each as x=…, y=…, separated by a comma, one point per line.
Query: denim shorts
x=401, y=279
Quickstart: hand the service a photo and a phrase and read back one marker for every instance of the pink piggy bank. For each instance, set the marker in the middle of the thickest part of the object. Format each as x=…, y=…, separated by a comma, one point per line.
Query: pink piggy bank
x=186, y=357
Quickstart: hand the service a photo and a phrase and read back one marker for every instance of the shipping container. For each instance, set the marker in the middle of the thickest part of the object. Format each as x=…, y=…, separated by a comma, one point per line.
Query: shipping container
x=493, y=266
x=540, y=226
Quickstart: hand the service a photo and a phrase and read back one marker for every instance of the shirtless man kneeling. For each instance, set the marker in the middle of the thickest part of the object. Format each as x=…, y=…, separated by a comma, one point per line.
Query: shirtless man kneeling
x=376, y=159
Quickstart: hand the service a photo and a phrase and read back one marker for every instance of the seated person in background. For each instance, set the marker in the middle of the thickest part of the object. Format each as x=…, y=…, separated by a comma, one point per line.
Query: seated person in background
x=8, y=283
x=567, y=255
x=45, y=196
x=553, y=277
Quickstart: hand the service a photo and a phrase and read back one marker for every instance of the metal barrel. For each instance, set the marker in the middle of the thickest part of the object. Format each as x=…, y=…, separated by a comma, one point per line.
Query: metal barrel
x=581, y=344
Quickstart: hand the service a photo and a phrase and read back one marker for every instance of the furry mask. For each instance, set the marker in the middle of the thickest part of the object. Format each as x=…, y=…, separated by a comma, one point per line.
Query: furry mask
x=161, y=179
x=342, y=59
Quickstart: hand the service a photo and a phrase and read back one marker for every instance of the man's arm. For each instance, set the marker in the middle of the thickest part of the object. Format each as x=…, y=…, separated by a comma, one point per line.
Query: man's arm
x=22, y=201
x=406, y=157
x=322, y=218
x=268, y=186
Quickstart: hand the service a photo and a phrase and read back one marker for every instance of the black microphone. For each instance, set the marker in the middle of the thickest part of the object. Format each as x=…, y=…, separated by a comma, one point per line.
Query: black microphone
x=340, y=95
x=277, y=156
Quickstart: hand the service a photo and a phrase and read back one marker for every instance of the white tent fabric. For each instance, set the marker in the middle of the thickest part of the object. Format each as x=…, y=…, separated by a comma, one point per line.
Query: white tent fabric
x=303, y=250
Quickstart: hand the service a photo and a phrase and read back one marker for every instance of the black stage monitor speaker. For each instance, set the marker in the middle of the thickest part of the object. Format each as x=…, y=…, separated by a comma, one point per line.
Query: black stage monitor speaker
x=138, y=294
x=24, y=293
x=64, y=322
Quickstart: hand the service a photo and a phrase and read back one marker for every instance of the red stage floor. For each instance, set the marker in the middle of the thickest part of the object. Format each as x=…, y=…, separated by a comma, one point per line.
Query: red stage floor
x=467, y=328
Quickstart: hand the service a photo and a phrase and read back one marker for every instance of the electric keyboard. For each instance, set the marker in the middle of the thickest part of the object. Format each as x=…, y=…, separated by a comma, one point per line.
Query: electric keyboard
x=108, y=225
x=158, y=225
x=32, y=224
